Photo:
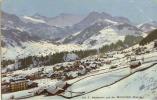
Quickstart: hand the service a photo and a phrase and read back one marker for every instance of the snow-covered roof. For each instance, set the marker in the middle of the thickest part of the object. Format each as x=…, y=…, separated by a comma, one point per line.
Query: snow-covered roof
x=92, y=65
x=30, y=82
x=70, y=57
x=60, y=84
x=134, y=62
x=50, y=73
x=81, y=66
x=83, y=71
x=52, y=89
x=133, y=58
x=73, y=73
x=40, y=89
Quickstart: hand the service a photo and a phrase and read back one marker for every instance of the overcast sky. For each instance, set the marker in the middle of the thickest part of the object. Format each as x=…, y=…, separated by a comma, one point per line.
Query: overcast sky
x=138, y=11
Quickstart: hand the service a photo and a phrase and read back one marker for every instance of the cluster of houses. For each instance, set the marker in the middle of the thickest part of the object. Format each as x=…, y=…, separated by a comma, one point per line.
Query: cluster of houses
x=141, y=50
x=17, y=84
x=131, y=56
x=67, y=71
x=78, y=68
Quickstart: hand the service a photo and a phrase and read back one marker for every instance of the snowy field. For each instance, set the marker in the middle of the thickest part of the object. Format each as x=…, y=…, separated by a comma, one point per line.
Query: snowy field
x=36, y=49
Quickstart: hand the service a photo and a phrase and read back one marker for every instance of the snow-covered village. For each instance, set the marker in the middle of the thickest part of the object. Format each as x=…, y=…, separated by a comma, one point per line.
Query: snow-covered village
x=60, y=55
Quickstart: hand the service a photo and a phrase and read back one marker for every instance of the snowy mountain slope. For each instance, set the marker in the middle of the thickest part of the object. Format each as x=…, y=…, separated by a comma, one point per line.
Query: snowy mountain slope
x=93, y=17
x=39, y=16
x=148, y=27
x=41, y=48
x=34, y=26
x=17, y=34
x=103, y=32
x=10, y=20
x=93, y=22
x=30, y=19
x=111, y=34
x=45, y=31
x=85, y=34
x=61, y=20
x=15, y=37
x=106, y=36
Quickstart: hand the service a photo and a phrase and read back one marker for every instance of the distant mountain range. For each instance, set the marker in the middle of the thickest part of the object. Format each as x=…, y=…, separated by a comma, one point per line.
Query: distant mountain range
x=34, y=27
x=94, y=30
x=62, y=20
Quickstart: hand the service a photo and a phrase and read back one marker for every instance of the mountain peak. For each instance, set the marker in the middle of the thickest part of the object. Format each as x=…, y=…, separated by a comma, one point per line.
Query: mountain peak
x=94, y=13
x=65, y=14
x=97, y=14
x=39, y=16
x=36, y=14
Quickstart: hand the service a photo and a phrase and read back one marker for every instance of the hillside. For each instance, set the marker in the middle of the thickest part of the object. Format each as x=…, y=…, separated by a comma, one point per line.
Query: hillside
x=102, y=33
x=151, y=36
